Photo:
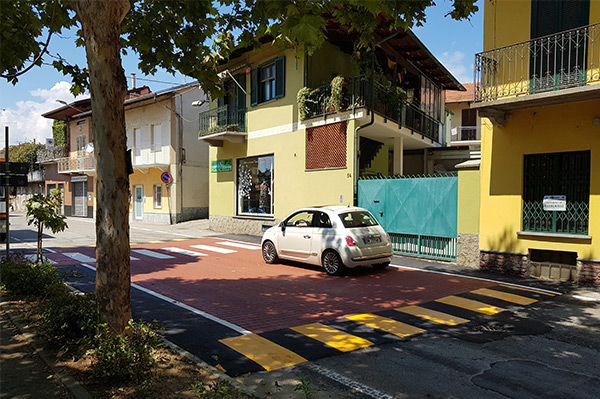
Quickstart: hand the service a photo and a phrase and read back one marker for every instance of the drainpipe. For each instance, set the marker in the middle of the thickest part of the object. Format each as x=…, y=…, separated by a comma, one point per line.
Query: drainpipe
x=356, y=152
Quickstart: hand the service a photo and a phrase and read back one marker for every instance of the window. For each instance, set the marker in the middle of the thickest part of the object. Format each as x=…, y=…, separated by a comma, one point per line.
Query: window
x=158, y=196
x=267, y=81
x=137, y=141
x=326, y=146
x=255, y=186
x=81, y=141
x=300, y=219
x=155, y=138
x=322, y=220
x=558, y=174
x=357, y=219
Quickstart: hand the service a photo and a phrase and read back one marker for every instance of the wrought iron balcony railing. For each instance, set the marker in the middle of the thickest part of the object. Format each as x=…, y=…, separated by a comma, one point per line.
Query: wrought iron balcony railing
x=564, y=60
x=82, y=163
x=222, y=119
x=386, y=101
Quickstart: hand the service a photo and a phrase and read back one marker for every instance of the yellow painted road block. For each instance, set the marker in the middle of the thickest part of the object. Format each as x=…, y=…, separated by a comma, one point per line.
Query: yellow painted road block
x=470, y=304
x=337, y=339
x=433, y=315
x=505, y=296
x=388, y=325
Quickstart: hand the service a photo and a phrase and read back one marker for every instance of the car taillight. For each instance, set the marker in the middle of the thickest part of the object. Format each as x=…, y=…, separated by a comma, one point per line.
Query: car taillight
x=350, y=241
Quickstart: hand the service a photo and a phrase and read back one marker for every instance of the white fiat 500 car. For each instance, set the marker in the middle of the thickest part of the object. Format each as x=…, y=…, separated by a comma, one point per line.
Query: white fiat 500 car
x=335, y=237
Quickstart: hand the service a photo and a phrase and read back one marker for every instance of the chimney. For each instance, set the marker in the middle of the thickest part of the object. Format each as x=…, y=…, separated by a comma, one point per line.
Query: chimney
x=133, y=80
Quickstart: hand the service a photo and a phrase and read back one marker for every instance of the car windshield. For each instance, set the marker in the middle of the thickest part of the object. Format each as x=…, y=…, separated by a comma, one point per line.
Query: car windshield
x=358, y=219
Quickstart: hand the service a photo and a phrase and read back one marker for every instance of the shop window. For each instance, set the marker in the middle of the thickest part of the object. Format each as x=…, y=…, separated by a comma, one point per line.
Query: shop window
x=556, y=192
x=267, y=82
x=326, y=146
x=255, y=186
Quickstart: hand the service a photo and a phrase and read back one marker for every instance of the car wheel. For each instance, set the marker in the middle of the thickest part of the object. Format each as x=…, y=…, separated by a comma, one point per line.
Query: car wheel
x=381, y=265
x=333, y=263
x=269, y=252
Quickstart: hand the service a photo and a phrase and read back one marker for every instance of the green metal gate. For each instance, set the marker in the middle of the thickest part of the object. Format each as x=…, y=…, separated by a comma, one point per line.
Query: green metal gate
x=418, y=212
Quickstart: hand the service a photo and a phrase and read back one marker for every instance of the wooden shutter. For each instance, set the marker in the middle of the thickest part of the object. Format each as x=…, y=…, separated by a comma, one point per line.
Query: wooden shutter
x=280, y=77
x=254, y=87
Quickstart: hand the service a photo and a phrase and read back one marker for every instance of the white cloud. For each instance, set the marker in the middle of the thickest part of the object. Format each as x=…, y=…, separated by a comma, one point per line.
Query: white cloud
x=25, y=119
x=457, y=65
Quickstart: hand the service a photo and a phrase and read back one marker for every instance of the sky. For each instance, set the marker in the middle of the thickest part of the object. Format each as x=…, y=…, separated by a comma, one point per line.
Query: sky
x=453, y=43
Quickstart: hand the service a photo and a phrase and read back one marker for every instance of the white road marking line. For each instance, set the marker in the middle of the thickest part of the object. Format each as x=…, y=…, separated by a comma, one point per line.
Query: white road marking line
x=79, y=257
x=357, y=386
x=50, y=250
x=214, y=249
x=33, y=258
x=239, y=245
x=152, y=254
x=183, y=251
x=476, y=278
x=186, y=307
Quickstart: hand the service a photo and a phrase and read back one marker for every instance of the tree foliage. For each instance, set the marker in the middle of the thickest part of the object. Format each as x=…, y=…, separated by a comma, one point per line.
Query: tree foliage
x=43, y=211
x=59, y=132
x=25, y=152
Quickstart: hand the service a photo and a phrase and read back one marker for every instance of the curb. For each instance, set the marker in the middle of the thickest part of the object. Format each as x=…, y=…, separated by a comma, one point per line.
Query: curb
x=76, y=389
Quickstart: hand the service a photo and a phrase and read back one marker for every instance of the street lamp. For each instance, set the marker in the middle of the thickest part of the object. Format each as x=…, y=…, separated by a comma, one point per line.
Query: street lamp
x=63, y=102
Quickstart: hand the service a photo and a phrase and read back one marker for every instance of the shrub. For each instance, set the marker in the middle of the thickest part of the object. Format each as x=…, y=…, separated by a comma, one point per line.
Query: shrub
x=69, y=318
x=217, y=390
x=22, y=277
x=127, y=357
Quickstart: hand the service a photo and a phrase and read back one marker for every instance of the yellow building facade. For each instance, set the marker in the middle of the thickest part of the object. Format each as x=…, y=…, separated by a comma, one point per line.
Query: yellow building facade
x=540, y=167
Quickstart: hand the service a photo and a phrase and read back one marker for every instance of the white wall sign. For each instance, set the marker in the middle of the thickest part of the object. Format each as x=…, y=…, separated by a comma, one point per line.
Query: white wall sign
x=555, y=203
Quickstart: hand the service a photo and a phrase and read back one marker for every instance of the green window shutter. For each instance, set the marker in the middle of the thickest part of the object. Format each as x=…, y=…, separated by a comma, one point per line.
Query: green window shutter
x=254, y=87
x=240, y=95
x=280, y=77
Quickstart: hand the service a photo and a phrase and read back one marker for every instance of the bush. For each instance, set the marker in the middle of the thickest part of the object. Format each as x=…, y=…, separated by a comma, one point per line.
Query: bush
x=69, y=318
x=21, y=277
x=217, y=390
x=127, y=357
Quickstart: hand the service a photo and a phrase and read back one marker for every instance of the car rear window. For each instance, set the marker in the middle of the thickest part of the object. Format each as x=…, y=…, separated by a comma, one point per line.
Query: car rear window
x=357, y=219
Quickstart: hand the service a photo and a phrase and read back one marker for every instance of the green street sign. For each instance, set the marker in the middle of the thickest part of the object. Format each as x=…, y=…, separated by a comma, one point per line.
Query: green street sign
x=221, y=166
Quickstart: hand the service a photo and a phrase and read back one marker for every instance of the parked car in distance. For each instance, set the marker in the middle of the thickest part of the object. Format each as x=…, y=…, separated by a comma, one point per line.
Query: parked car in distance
x=335, y=237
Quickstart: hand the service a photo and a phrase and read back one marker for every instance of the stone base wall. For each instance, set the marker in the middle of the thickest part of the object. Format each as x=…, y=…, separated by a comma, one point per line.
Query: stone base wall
x=504, y=262
x=468, y=250
x=589, y=272
x=233, y=225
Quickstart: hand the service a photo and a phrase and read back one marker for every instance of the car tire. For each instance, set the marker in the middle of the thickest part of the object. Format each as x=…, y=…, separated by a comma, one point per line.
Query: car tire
x=381, y=265
x=332, y=263
x=269, y=252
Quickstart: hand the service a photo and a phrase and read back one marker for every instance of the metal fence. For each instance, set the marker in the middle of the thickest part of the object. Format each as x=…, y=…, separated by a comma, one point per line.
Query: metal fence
x=567, y=59
x=222, y=119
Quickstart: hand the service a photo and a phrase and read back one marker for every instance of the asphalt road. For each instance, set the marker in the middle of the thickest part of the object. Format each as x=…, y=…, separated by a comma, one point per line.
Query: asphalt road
x=236, y=313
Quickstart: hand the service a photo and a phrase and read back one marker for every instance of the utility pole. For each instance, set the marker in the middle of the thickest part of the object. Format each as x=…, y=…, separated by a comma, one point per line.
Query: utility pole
x=6, y=196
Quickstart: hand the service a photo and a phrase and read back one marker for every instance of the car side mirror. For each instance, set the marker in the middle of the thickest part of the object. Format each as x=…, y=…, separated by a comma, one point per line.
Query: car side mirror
x=282, y=225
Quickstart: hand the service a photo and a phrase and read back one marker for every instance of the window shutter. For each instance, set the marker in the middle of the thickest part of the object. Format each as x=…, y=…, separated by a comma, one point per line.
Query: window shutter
x=254, y=87
x=280, y=77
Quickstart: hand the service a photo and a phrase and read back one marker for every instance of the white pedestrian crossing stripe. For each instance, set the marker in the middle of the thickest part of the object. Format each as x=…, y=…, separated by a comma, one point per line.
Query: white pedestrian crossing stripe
x=214, y=249
x=239, y=245
x=152, y=254
x=184, y=251
x=79, y=257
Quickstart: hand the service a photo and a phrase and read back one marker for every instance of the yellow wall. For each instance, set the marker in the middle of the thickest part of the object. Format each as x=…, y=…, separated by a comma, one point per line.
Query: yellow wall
x=293, y=186
x=468, y=200
x=380, y=164
x=559, y=128
x=148, y=180
x=327, y=63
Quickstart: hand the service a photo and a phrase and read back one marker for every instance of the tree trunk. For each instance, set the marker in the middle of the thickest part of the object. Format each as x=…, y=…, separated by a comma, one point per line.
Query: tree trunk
x=39, y=244
x=101, y=25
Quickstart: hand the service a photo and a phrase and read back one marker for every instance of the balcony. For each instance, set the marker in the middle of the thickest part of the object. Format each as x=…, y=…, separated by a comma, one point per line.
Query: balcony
x=465, y=136
x=150, y=156
x=50, y=155
x=388, y=102
x=36, y=176
x=83, y=163
x=225, y=123
x=554, y=69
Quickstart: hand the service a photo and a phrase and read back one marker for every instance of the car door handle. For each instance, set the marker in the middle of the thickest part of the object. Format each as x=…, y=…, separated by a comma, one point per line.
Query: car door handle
x=306, y=236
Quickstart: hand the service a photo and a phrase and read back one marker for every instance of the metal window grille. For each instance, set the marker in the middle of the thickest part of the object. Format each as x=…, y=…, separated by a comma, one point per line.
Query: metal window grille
x=566, y=173
x=326, y=146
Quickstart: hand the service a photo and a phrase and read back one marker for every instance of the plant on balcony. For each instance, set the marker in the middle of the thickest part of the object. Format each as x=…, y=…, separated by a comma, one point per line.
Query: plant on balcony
x=233, y=128
x=336, y=99
x=303, y=98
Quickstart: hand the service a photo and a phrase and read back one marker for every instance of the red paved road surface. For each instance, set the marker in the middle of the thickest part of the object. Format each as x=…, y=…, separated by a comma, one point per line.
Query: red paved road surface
x=242, y=289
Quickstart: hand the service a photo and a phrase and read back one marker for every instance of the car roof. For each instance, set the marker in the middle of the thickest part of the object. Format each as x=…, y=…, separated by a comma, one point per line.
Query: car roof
x=336, y=208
